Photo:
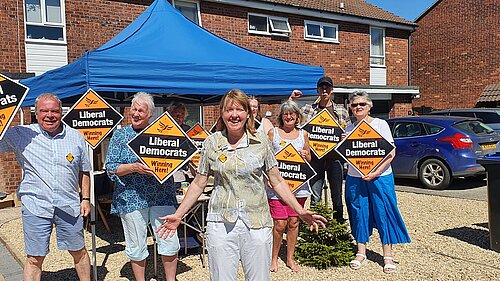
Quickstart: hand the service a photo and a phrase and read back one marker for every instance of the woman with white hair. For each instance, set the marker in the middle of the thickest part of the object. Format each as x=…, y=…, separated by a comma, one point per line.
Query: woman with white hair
x=371, y=199
x=138, y=197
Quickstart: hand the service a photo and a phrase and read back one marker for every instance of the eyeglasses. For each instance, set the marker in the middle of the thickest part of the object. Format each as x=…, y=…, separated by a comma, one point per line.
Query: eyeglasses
x=360, y=104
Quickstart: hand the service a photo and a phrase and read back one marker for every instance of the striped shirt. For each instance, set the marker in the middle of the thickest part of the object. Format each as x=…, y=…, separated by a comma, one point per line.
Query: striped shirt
x=51, y=167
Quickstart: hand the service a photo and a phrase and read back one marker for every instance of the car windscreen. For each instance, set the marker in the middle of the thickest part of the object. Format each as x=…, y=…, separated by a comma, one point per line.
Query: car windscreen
x=488, y=117
x=473, y=127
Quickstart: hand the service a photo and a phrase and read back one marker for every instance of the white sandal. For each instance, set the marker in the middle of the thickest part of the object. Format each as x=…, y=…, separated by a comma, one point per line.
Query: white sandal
x=389, y=267
x=356, y=264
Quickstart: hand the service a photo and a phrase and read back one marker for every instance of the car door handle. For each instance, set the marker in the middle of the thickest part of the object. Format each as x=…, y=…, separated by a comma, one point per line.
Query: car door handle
x=414, y=144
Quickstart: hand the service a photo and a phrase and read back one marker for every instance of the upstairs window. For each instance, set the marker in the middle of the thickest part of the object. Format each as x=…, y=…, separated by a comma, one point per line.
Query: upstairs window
x=268, y=25
x=190, y=9
x=377, y=46
x=319, y=31
x=45, y=20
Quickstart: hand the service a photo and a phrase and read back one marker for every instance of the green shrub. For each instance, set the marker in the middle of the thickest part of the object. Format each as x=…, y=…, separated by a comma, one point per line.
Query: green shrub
x=331, y=246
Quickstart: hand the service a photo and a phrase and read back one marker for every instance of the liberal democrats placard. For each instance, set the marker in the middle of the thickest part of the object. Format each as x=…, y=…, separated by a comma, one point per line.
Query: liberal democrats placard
x=12, y=95
x=364, y=148
x=324, y=133
x=93, y=117
x=293, y=168
x=163, y=146
x=198, y=134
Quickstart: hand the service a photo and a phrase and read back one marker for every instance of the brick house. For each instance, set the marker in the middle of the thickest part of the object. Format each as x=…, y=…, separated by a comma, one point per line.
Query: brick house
x=455, y=52
x=359, y=45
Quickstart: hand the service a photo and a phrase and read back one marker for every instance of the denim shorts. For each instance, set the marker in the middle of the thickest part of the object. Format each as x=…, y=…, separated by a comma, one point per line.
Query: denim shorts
x=135, y=230
x=37, y=231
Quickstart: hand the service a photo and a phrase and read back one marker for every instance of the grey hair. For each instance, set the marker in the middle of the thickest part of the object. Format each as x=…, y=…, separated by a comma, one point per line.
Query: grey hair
x=290, y=106
x=48, y=96
x=360, y=94
x=177, y=105
x=147, y=98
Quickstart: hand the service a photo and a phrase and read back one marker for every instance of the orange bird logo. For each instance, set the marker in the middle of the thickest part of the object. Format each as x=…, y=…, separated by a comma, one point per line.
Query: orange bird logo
x=362, y=132
x=163, y=127
x=89, y=102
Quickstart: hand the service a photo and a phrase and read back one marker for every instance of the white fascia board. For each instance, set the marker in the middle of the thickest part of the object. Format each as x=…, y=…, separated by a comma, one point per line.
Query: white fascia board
x=338, y=90
x=313, y=13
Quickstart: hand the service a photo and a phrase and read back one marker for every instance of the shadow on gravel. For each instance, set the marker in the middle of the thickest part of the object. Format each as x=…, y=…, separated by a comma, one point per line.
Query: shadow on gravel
x=456, y=184
x=483, y=225
x=473, y=236
x=126, y=270
x=69, y=274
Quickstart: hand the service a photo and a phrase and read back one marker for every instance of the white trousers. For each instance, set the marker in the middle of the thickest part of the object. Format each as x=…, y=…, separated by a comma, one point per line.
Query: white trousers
x=229, y=243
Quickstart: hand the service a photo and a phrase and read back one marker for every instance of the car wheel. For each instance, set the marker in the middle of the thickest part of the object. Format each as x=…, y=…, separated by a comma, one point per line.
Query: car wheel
x=433, y=174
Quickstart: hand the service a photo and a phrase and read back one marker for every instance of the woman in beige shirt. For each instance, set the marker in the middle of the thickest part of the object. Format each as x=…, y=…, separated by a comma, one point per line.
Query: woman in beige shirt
x=239, y=225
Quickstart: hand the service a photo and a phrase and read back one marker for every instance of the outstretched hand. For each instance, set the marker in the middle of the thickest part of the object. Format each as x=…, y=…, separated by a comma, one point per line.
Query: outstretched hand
x=313, y=220
x=169, y=226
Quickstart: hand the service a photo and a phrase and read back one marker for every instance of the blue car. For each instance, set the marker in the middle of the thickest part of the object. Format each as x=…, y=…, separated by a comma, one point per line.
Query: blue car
x=436, y=149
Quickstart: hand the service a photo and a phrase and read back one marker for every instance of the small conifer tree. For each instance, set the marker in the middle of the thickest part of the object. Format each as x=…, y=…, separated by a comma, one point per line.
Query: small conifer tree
x=331, y=246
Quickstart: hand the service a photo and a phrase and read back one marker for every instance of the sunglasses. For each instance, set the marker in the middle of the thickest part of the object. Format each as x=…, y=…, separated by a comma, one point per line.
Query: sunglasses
x=360, y=104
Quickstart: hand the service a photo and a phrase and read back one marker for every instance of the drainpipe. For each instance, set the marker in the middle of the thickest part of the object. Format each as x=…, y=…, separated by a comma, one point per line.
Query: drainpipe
x=21, y=117
x=409, y=60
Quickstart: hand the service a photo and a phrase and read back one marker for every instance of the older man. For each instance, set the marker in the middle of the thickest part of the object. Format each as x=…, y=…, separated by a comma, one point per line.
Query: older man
x=55, y=163
x=331, y=162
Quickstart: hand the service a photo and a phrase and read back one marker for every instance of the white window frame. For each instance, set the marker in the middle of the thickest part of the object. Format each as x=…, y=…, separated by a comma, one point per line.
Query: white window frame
x=383, y=56
x=197, y=8
x=271, y=30
x=44, y=23
x=322, y=37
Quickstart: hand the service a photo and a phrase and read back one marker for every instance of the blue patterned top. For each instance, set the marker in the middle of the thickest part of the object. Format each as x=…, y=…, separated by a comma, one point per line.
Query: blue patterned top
x=134, y=191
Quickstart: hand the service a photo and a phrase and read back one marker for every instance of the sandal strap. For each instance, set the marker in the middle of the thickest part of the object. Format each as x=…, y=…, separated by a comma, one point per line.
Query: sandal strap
x=361, y=255
x=356, y=262
x=389, y=258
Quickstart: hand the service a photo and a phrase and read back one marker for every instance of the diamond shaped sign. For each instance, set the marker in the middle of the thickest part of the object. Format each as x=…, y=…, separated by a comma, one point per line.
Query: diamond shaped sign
x=293, y=168
x=163, y=146
x=364, y=148
x=324, y=133
x=93, y=117
x=198, y=134
x=12, y=95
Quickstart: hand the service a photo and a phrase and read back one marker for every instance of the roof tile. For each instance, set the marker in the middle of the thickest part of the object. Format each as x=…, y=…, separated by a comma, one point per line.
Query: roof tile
x=490, y=93
x=358, y=8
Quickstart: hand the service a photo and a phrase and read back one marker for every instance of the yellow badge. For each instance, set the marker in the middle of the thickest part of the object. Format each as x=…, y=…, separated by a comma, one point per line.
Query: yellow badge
x=282, y=143
x=70, y=158
x=222, y=158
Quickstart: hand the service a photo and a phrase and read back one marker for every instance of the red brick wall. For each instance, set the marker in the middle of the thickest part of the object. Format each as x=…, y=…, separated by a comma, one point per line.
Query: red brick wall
x=346, y=62
x=12, y=54
x=456, y=53
x=91, y=23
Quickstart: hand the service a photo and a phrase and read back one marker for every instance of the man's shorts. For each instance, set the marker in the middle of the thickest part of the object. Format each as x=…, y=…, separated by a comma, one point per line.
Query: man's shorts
x=281, y=211
x=135, y=230
x=37, y=231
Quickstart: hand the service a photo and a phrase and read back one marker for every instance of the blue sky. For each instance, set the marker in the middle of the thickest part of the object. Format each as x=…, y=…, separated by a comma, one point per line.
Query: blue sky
x=407, y=9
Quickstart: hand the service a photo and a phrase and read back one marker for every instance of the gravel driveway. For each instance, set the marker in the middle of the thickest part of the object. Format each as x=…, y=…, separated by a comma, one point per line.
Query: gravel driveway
x=449, y=242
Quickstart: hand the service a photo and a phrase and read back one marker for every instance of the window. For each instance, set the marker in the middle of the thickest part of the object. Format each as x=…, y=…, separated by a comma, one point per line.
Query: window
x=190, y=9
x=408, y=129
x=377, y=46
x=462, y=114
x=262, y=24
x=320, y=31
x=433, y=129
x=473, y=128
x=45, y=20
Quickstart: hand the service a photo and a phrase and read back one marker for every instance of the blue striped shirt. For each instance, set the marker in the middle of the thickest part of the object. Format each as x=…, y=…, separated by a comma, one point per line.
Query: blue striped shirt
x=51, y=167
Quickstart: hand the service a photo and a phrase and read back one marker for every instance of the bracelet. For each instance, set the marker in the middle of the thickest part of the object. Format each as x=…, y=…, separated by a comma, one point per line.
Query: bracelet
x=86, y=199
